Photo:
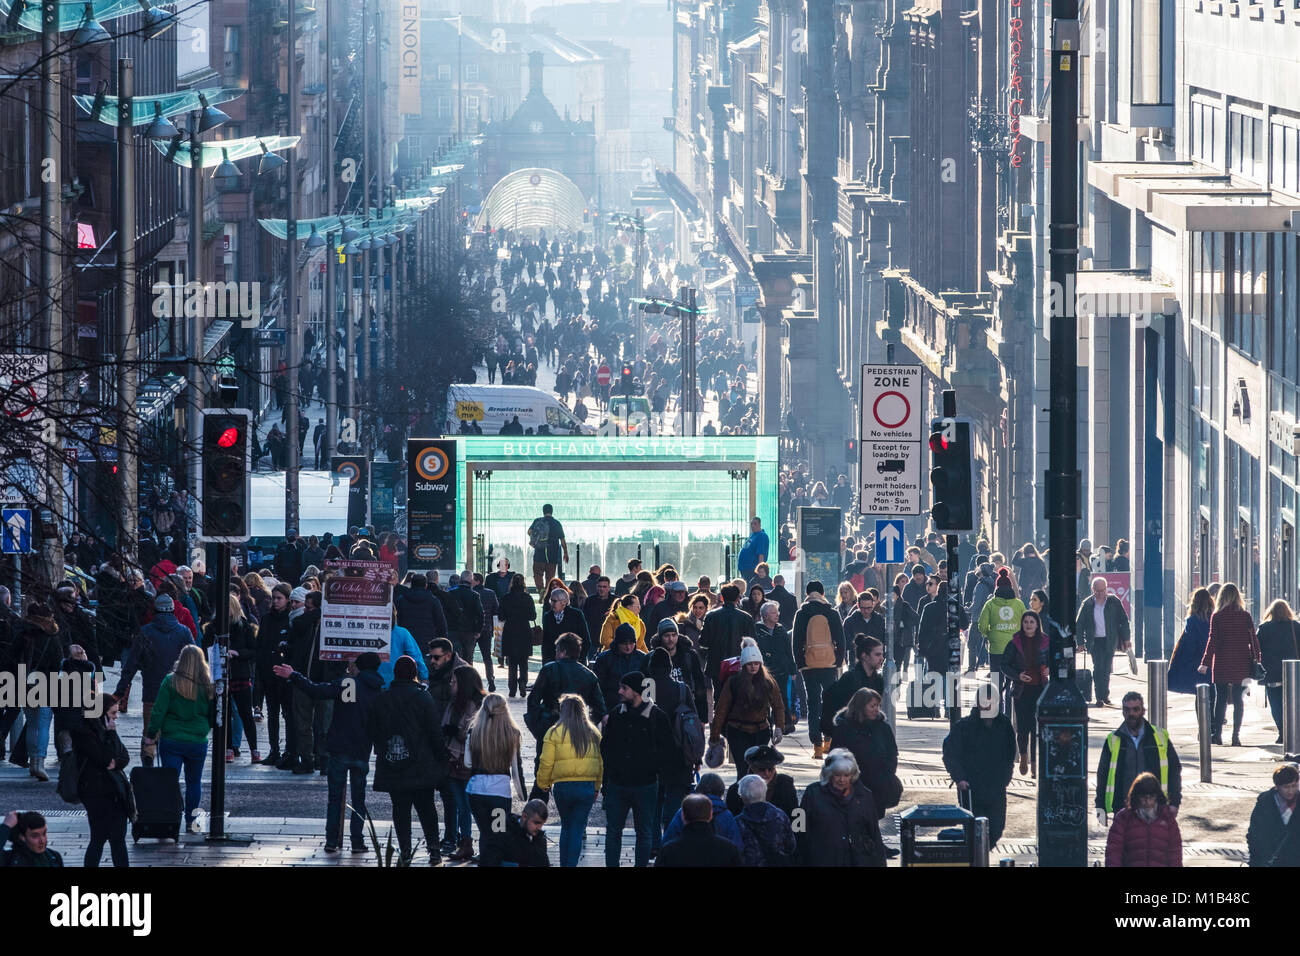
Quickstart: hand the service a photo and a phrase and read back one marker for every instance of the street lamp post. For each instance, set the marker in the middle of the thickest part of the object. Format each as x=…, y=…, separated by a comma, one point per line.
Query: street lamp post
x=52, y=269
x=1062, y=715
x=293, y=333
x=128, y=350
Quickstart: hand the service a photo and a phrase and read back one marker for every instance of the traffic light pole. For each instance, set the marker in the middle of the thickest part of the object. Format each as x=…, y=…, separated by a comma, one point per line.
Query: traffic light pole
x=952, y=590
x=1062, y=713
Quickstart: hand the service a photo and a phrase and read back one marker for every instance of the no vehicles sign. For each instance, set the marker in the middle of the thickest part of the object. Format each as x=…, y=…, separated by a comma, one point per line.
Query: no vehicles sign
x=889, y=468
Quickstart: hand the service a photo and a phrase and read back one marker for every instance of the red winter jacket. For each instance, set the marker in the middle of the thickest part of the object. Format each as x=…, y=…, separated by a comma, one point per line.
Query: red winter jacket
x=1232, y=646
x=1134, y=842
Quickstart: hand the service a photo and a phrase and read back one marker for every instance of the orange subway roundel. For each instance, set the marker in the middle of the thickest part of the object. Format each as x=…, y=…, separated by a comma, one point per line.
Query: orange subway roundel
x=432, y=464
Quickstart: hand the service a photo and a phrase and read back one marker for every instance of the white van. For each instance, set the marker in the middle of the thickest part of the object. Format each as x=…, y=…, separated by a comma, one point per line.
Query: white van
x=498, y=404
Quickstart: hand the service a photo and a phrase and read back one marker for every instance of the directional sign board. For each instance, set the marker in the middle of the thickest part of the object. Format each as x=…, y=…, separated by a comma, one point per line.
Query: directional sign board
x=890, y=450
x=891, y=541
x=17, y=530
x=24, y=385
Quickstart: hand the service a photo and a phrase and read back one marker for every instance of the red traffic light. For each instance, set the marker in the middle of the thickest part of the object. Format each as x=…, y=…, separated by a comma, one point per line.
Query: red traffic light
x=228, y=438
x=938, y=443
x=627, y=370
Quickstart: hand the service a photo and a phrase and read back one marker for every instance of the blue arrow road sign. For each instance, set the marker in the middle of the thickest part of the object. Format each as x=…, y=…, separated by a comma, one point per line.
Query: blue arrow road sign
x=890, y=541
x=17, y=530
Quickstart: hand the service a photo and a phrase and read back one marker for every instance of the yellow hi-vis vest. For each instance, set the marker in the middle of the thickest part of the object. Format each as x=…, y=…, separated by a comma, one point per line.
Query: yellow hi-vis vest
x=1162, y=749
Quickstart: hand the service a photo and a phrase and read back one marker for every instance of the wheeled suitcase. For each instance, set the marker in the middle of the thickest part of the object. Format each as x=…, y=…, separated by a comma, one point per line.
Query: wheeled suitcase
x=916, y=707
x=1083, y=677
x=160, y=807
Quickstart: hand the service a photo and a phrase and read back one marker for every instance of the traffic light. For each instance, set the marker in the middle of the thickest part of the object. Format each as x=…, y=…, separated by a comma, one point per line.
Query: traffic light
x=952, y=483
x=586, y=215
x=627, y=378
x=225, y=484
x=851, y=450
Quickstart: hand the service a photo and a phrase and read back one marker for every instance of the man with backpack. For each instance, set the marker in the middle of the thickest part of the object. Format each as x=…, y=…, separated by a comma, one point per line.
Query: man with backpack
x=469, y=620
x=819, y=652
x=546, y=538
x=564, y=675
x=675, y=699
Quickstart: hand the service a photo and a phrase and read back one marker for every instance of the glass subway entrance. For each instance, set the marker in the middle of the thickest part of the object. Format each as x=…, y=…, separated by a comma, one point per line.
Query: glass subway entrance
x=672, y=500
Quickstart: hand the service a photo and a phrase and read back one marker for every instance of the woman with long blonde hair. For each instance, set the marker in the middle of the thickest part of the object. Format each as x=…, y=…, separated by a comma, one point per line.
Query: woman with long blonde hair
x=572, y=769
x=1279, y=640
x=846, y=600
x=494, y=758
x=181, y=720
x=1230, y=653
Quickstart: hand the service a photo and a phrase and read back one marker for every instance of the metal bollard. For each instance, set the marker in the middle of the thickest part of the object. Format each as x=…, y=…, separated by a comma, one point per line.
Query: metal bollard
x=1158, y=693
x=981, y=848
x=1291, y=706
x=1203, y=724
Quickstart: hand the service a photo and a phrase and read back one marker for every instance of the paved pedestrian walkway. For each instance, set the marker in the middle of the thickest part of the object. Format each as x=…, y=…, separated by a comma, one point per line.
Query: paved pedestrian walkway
x=1213, y=817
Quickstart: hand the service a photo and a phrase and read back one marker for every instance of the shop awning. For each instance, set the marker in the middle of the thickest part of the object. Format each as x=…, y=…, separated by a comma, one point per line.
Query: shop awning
x=1190, y=197
x=678, y=193
x=157, y=395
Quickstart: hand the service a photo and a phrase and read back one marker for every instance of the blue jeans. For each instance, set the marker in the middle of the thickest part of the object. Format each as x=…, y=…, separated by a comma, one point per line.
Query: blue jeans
x=236, y=729
x=463, y=820
x=1275, y=704
x=188, y=756
x=818, y=680
x=336, y=774
x=574, y=799
x=38, y=731
x=642, y=801
x=669, y=801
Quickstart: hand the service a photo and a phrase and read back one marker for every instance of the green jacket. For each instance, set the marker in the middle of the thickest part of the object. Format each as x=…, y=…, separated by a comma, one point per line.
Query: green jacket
x=999, y=621
x=177, y=718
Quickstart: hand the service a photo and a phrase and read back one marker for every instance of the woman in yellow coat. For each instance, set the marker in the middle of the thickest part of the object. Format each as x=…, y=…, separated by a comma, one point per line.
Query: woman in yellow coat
x=571, y=768
x=627, y=611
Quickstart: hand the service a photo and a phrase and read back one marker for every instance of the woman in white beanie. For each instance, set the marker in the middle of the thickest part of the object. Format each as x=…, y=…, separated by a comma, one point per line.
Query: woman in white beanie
x=750, y=710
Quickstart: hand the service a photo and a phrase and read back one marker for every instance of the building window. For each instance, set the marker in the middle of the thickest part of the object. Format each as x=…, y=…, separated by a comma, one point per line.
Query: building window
x=1248, y=265
x=1245, y=143
x=444, y=72
x=1285, y=171
x=1205, y=117
x=234, y=64
x=471, y=72
x=1153, y=70
x=444, y=107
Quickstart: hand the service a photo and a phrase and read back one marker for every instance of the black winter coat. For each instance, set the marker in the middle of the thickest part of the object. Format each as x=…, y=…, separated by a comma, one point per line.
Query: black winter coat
x=872, y=745
x=406, y=730
x=637, y=746
x=519, y=849
x=573, y=622
x=840, y=831
x=347, y=732
x=981, y=755
x=273, y=631
x=518, y=612
x=1270, y=841
x=841, y=692
x=610, y=667
x=724, y=628
x=470, y=618
x=95, y=745
x=788, y=605
x=243, y=641
x=932, y=633
x=556, y=679
x=781, y=794
x=488, y=598
x=288, y=563
x=687, y=668
x=1278, y=641
x=595, y=611
x=420, y=612
x=698, y=845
